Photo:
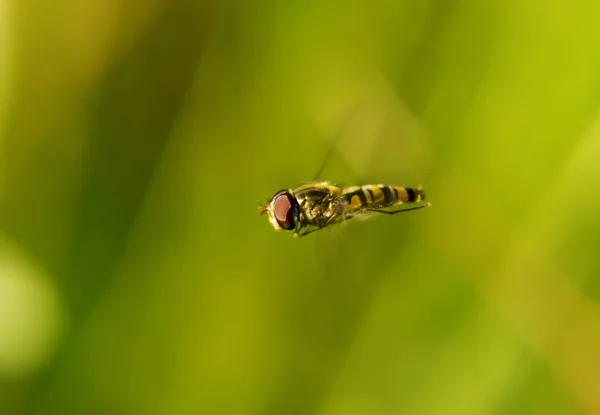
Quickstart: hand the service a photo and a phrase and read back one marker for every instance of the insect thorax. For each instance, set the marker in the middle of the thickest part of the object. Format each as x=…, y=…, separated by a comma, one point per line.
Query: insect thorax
x=318, y=203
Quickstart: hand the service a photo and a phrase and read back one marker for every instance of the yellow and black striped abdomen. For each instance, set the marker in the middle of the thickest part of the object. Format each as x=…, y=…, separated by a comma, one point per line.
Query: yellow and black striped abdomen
x=372, y=197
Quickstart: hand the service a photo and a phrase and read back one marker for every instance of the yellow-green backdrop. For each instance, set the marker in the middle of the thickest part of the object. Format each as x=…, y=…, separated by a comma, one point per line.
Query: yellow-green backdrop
x=137, y=138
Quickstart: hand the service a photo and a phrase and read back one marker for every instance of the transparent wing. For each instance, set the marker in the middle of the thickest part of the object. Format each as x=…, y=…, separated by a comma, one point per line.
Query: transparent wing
x=373, y=138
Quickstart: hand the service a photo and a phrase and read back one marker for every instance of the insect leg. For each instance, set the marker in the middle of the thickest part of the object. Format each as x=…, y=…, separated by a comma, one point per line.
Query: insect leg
x=401, y=210
x=300, y=233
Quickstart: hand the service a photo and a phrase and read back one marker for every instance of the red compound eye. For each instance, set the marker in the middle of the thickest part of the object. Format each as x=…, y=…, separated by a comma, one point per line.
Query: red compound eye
x=283, y=209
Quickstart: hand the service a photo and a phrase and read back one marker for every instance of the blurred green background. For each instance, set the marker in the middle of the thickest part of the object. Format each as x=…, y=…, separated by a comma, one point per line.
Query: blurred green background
x=136, y=276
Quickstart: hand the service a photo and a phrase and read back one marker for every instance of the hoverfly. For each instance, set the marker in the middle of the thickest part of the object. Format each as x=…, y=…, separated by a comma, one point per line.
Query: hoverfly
x=315, y=206
x=319, y=204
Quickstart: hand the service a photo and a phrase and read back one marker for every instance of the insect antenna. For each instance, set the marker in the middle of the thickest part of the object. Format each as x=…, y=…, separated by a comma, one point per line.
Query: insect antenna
x=262, y=209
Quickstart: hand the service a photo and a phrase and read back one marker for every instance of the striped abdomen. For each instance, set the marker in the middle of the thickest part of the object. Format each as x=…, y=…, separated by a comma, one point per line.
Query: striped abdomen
x=372, y=197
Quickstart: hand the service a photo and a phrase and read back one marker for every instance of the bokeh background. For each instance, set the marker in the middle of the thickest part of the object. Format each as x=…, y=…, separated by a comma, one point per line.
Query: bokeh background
x=136, y=276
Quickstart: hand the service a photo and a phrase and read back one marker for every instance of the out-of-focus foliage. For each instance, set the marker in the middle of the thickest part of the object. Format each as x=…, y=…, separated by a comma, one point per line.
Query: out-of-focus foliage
x=136, y=276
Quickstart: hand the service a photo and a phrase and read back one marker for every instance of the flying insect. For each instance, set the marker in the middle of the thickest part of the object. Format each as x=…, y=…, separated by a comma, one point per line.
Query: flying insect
x=315, y=206
x=320, y=204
